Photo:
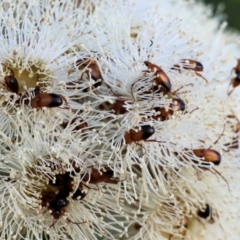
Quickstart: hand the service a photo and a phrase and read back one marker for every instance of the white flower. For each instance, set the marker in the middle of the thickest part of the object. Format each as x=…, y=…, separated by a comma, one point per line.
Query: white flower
x=117, y=121
x=196, y=211
x=40, y=185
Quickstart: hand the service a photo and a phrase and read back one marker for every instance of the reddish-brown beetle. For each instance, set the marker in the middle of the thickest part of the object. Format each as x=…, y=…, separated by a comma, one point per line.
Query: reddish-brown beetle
x=105, y=176
x=117, y=107
x=206, y=213
x=92, y=69
x=55, y=196
x=189, y=64
x=236, y=80
x=161, y=78
x=135, y=135
x=81, y=126
x=209, y=155
x=11, y=82
x=176, y=105
x=57, y=206
x=79, y=194
x=49, y=100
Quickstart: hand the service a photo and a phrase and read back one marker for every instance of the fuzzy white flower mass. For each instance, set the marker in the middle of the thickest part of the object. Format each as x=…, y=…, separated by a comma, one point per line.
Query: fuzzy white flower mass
x=119, y=120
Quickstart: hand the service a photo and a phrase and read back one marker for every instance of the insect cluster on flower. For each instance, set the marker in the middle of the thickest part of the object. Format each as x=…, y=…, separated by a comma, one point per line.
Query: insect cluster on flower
x=62, y=188
x=112, y=132
x=236, y=80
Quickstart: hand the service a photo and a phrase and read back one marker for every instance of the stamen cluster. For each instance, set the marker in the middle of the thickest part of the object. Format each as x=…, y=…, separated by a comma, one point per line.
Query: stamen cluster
x=108, y=133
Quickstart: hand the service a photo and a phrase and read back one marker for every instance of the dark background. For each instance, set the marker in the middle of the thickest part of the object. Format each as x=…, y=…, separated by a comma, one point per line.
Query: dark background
x=232, y=11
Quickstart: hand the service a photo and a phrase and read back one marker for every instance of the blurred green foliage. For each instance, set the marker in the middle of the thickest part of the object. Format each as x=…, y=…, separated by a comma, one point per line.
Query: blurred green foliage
x=232, y=11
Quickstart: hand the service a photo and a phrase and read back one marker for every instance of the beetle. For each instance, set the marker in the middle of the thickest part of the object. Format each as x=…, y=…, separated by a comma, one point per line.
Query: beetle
x=190, y=64
x=81, y=126
x=137, y=226
x=236, y=80
x=57, y=207
x=176, y=105
x=105, y=176
x=61, y=179
x=57, y=203
x=161, y=78
x=79, y=193
x=92, y=69
x=237, y=69
x=64, y=183
x=234, y=143
x=49, y=100
x=209, y=155
x=11, y=82
x=235, y=83
x=135, y=135
x=206, y=213
x=117, y=107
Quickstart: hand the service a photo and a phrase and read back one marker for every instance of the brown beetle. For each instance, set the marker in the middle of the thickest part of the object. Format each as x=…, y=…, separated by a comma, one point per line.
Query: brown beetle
x=209, y=155
x=234, y=143
x=11, y=82
x=206, y=213
x=81, y=126
x=135, y=135
x=237, y=126
x=176, y=105
x=61, y=179
x=237, y=69
x=64, y=183
x=49, y=100
x=190, y=64
x=57, y=206
x=57, y=202
x=79, y=194
x=235, y=83
x=137, y=226
x=117, y=107
x=92, y=69
x=161, y=78
x=105, y=176
x=236, y=80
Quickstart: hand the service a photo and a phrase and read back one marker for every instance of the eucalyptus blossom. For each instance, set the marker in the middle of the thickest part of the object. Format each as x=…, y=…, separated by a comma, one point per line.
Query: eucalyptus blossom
x=119, y=120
